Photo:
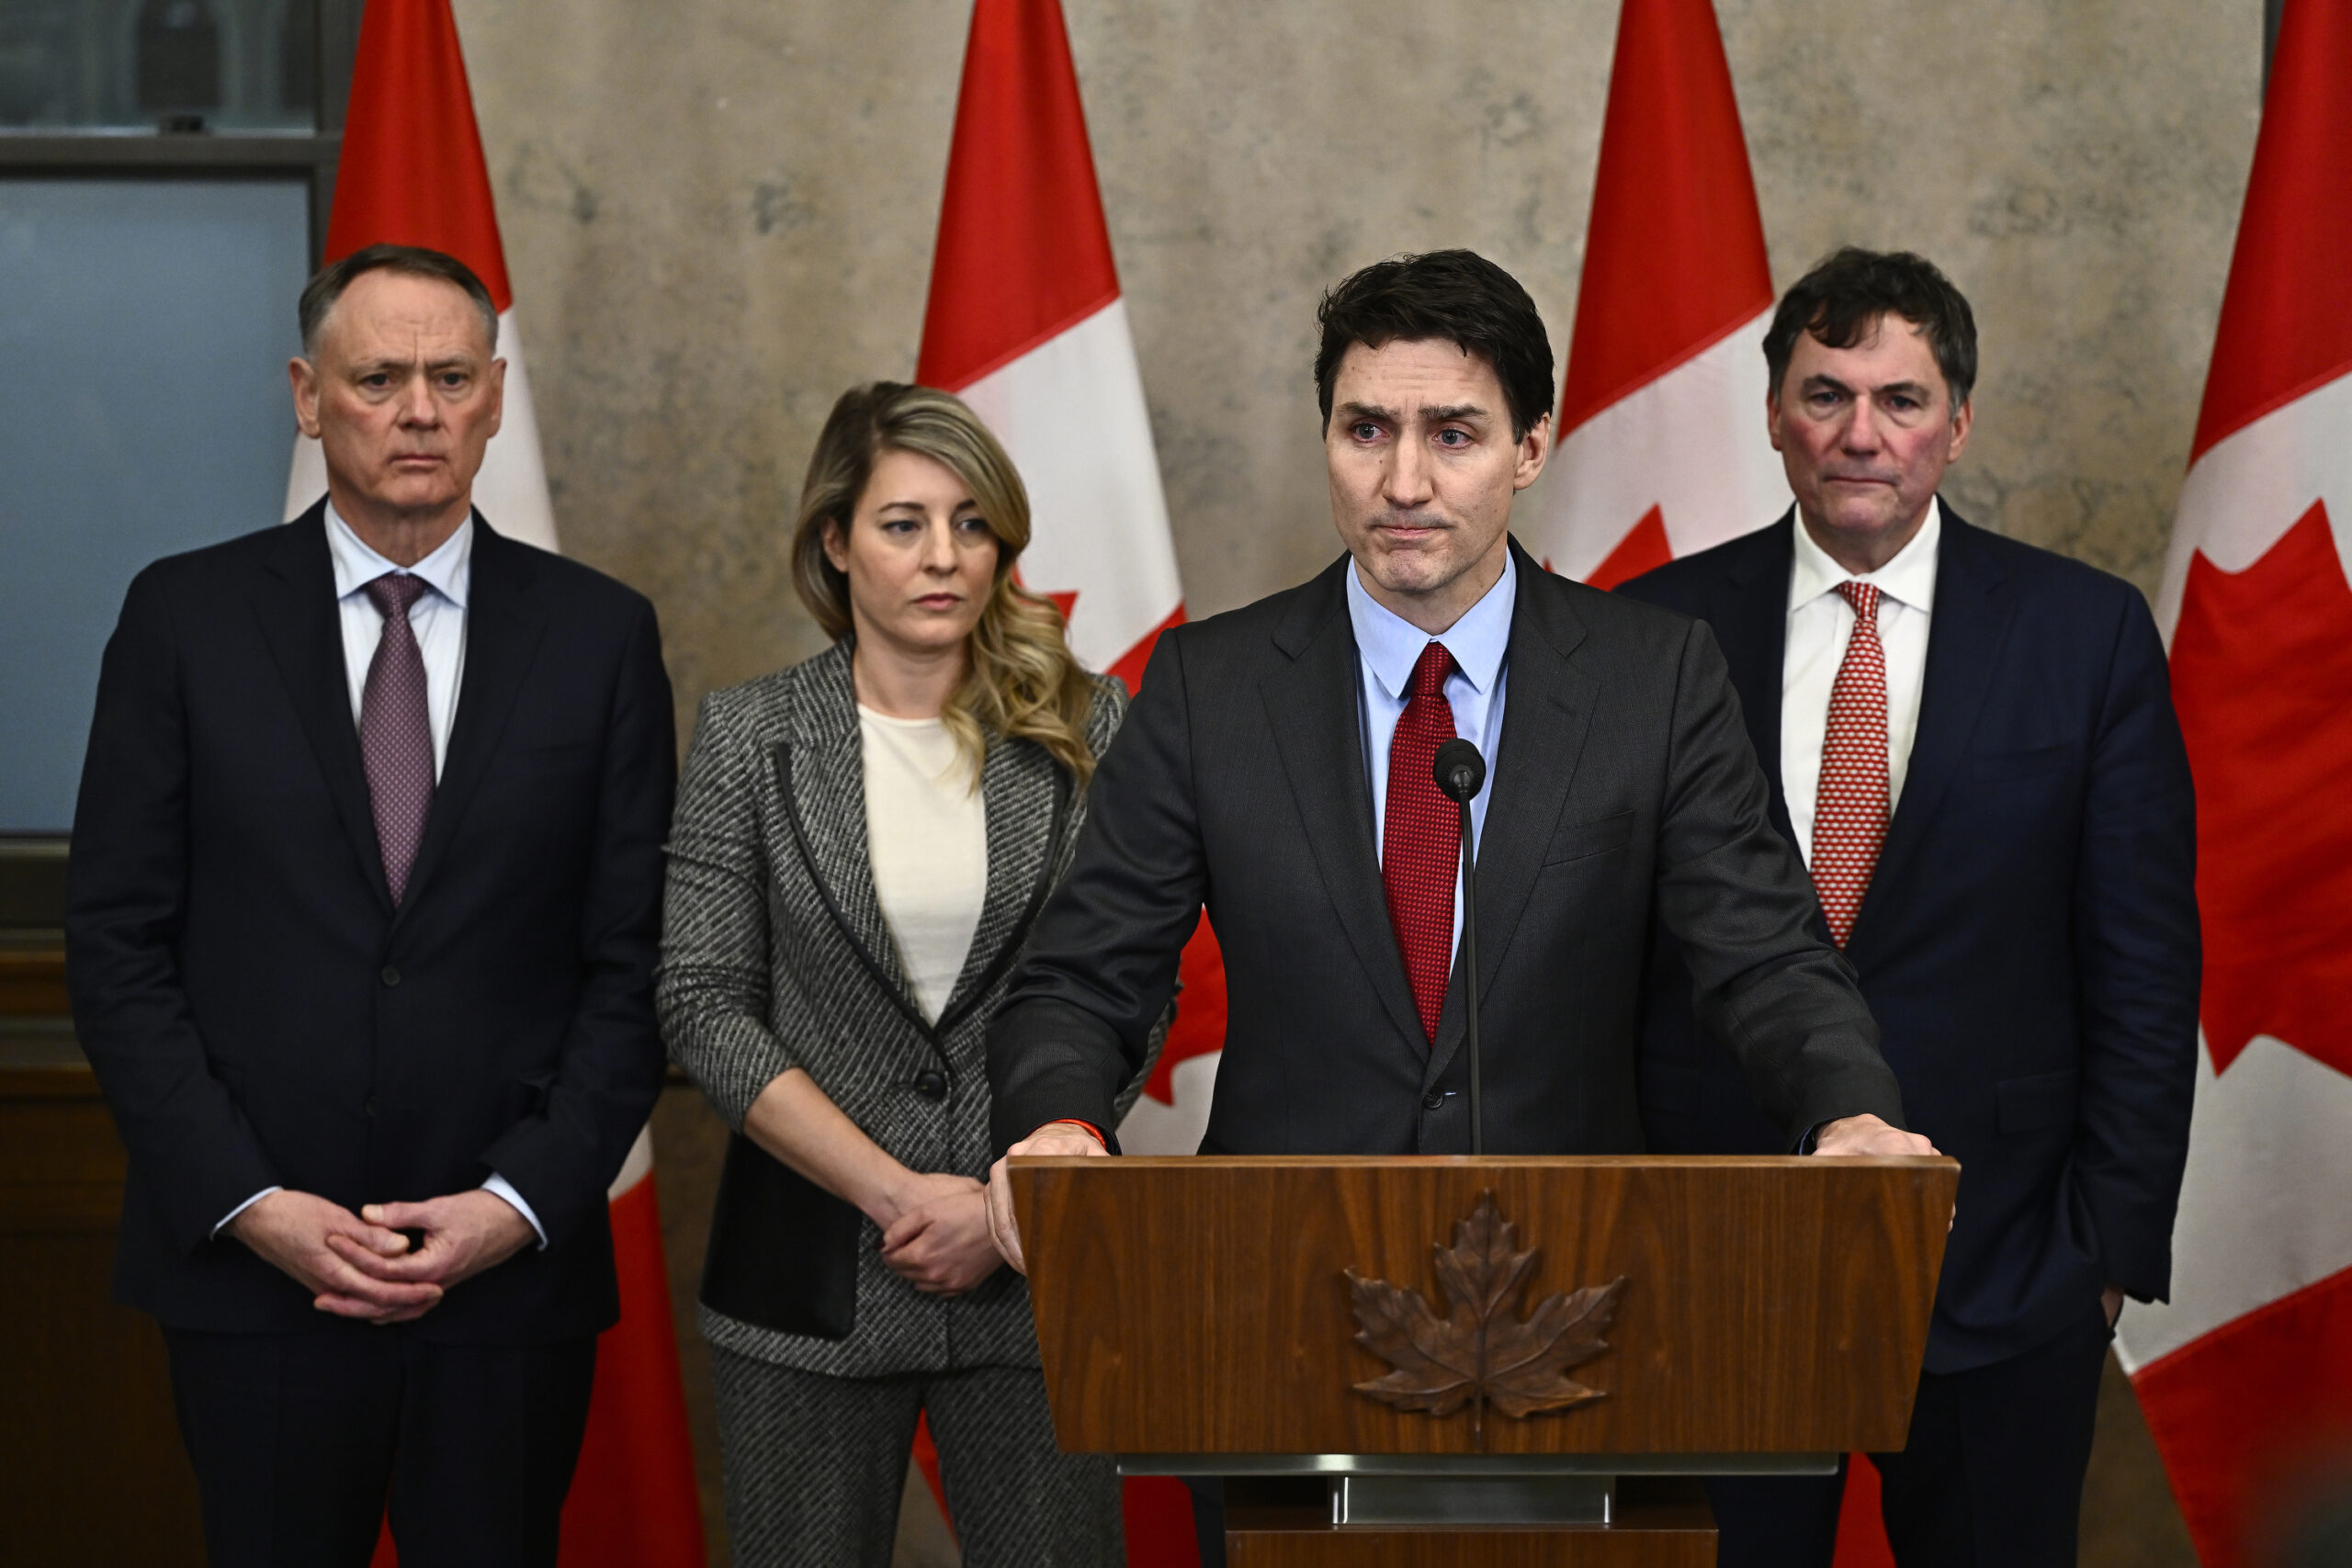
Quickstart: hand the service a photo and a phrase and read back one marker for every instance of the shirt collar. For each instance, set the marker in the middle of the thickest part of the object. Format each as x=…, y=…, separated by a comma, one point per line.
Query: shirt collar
x=1909, y=579
x=448, y=571
x=1390, y=644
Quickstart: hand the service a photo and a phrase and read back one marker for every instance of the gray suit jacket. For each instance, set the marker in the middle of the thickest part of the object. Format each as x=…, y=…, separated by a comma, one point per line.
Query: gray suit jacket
x=774, y=954
x=1624, y=788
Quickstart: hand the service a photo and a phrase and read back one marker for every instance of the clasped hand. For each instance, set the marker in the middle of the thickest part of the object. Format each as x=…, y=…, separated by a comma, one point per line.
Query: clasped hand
x=361, y=1266
x=938, y=1238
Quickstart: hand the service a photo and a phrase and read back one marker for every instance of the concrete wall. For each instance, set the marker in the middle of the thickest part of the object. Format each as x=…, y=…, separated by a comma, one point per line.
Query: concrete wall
x=718, y=216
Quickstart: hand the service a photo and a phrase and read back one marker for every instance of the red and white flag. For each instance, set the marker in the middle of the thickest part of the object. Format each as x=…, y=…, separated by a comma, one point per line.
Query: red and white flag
x=2245, y=1376
x=412, y=173
x=1662, y=449
x=1026, y=325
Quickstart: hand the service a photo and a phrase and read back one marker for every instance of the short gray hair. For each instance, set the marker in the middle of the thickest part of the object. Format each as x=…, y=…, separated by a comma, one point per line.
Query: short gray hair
x=319, y=294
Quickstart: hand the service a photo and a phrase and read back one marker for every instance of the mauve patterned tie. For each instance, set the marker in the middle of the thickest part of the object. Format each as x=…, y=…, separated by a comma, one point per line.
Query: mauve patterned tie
x=1850, y=815
x=1420, y=843
x=396, y=729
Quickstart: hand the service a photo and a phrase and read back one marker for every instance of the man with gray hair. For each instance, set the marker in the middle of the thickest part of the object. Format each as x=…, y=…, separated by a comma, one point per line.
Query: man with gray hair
x=360, y=932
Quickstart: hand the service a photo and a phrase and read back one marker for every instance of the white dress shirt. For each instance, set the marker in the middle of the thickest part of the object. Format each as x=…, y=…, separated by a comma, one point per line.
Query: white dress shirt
x=1388, y=646
x=437, y=619
x=1820, y=624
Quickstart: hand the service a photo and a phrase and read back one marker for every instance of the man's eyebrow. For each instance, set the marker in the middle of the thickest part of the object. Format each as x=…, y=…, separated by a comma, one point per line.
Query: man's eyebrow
x=1438, y=415
x=401, y=362
x=1827, y=382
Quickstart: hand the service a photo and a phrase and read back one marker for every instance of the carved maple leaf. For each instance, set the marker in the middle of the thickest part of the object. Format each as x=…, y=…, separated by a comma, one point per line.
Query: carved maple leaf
x=1478, y=1353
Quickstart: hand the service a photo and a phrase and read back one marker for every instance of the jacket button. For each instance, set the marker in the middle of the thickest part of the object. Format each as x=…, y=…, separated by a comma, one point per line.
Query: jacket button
x=1433, y=1100
x=931, y=1084
x=391, y=975
x=368, y=1107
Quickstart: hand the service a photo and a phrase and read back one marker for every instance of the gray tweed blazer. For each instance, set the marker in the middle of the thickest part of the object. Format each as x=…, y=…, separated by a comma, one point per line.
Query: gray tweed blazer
x=774, y=954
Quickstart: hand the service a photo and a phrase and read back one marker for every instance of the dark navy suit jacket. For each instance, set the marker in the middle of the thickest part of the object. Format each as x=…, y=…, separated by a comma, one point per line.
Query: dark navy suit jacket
x=2028, y=943
x=258, y=1012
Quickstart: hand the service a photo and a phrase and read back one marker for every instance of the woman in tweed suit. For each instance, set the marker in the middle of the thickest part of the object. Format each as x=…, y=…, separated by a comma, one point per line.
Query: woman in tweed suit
x=860, y=843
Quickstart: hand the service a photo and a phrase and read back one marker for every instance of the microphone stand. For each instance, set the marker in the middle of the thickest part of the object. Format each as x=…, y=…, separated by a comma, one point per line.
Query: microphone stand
x=1470, y=974
x=1461, y=772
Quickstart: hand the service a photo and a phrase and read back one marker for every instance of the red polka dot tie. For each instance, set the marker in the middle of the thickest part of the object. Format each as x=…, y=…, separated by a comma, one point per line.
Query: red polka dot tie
x=1849, y=813
x=396, y=730
x=1420, y=840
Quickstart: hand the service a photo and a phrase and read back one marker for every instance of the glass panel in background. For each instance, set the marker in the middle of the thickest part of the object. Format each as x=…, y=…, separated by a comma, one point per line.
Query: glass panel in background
x=151, y=64
x=144, y=330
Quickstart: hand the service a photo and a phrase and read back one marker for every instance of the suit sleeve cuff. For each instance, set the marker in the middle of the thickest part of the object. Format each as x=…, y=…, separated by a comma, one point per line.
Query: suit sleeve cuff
x=248, y=1203
x=506, y=1190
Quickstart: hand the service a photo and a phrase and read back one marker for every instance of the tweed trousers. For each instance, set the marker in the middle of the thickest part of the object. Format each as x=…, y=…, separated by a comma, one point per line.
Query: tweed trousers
x=815, y=1466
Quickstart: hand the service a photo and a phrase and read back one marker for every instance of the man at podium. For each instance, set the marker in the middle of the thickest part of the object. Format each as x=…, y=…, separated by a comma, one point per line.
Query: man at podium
x=1276, y=767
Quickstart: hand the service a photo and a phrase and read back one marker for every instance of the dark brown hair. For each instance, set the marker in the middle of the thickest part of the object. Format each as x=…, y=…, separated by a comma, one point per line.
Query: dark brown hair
x=1459, y=297
x=1847, y=293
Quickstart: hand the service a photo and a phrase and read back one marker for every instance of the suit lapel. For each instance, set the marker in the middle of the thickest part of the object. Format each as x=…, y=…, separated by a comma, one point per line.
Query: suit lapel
x=1547, y=709
x=824, y=791
x=1311, y=703
x=504, y=619
x=1965, y=630
x=304, y=627
x=1026, y=797
x=1749, y=610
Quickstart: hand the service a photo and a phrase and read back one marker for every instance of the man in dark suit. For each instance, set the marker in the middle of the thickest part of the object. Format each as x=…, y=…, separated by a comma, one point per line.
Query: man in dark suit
x=1277, y=767
x=361, y=925
x=1972, y=742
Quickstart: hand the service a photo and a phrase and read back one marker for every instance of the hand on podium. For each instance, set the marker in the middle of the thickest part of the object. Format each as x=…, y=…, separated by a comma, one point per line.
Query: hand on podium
x=1053, y=1138
x=1863, y=1136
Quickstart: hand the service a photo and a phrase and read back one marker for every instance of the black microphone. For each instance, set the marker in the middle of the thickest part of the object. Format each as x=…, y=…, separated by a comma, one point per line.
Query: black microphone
x=1460, y=771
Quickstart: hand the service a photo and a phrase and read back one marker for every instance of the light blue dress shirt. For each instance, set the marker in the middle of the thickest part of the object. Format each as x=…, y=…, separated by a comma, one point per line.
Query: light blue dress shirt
x=1388, y=646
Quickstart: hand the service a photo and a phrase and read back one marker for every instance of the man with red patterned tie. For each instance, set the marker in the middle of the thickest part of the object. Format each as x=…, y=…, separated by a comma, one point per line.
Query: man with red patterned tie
x=1972, y=743
x=360, y=926
x=1277, y=767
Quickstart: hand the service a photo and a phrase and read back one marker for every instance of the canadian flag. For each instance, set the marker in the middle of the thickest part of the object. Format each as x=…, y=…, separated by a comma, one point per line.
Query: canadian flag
x=1026, y=325
x=2245, y=1375
x=412, y=173
x=1662, y=448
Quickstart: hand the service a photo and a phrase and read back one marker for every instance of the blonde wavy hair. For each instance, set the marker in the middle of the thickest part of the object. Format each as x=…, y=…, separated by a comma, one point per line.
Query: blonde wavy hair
x=1023, y=683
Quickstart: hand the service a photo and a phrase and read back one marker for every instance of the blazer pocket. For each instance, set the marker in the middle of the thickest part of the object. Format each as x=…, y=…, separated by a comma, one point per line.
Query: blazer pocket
x=2031, y=764
x=1578, y=841
x=783, y=1250
x=2037, y=1103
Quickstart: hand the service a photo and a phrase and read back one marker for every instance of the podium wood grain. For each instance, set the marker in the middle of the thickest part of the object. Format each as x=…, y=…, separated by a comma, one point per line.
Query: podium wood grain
x=1198, y=1304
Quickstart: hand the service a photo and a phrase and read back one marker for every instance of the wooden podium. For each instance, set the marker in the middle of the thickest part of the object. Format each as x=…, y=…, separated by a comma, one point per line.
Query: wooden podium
x=1351, y=1341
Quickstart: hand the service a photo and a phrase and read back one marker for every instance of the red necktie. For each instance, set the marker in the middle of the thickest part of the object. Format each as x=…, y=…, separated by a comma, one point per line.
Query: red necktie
x=1849, y=815
x=1421, y=842
x=396, y=730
